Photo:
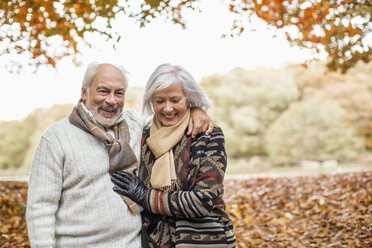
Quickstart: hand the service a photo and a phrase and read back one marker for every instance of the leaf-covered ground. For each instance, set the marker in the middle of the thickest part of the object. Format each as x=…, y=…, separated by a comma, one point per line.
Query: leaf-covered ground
x=307, y=211
x=13, y=231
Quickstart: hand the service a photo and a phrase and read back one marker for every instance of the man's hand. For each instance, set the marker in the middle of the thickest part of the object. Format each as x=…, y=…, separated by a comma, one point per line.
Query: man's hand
x=130, y=186
x=199, y=122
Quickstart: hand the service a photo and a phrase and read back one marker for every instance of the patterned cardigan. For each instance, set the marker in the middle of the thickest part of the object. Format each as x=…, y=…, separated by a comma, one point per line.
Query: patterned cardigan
x=194, y=215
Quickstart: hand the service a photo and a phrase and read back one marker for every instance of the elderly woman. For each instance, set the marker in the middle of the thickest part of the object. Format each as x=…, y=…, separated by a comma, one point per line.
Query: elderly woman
x=180, y=179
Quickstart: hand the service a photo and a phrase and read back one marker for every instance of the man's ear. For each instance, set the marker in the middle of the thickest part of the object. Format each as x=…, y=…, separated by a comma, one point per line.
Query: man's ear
x=84, y=94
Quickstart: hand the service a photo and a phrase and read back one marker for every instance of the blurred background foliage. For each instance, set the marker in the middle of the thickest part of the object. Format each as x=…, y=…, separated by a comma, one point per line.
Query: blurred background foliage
x=294, y=113
x=280, y=116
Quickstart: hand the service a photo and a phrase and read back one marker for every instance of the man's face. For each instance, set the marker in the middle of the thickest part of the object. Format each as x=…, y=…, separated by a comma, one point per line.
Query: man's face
x=105, y=96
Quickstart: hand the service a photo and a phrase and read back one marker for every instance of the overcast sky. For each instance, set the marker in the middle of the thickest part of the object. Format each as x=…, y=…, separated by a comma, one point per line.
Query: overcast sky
x=198, y=48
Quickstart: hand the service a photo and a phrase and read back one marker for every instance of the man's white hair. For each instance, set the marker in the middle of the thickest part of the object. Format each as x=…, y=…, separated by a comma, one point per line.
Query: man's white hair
x=92, y=69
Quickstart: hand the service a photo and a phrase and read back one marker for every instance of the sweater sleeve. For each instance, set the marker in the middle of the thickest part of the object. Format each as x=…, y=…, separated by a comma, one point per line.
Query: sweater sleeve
x=208, y=190
x=45, y=185
x=142, y=121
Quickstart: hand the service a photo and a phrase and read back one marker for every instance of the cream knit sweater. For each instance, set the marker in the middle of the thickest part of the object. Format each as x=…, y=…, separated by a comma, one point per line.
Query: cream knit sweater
x=70, y=199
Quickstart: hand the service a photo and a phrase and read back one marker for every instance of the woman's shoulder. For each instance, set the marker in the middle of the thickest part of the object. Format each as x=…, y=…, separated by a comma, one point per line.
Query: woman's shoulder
x=217, y=131
x=208, y=145
x=216, y=135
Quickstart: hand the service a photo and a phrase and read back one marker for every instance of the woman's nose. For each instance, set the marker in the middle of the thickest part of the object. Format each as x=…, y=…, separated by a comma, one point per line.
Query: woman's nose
x=168, y=106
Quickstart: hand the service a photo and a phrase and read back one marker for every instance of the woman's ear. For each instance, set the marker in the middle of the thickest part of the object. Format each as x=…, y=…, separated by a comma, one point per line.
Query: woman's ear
x=188, y=103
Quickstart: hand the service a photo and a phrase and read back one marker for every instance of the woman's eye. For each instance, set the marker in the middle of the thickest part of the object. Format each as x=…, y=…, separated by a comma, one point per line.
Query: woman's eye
x=159, y=101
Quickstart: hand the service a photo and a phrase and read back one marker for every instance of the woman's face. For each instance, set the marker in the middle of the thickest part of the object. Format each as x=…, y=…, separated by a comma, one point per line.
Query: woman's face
x=170, y=104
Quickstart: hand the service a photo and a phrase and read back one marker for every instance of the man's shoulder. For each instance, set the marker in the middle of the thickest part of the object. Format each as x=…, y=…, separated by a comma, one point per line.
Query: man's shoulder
x=131, y=115
x=61, y=124
x=134, y=119
x=59, y=128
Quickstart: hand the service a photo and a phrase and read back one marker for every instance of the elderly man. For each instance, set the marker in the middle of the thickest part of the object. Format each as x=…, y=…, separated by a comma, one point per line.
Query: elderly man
x=70, y=199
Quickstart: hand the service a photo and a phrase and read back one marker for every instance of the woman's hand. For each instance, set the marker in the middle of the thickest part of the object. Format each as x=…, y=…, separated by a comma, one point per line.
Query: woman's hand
x=130, y=186
x=199, y=122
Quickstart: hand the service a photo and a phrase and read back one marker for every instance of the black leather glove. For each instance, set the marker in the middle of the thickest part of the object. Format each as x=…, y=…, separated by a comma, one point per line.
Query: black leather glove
x=129, y=185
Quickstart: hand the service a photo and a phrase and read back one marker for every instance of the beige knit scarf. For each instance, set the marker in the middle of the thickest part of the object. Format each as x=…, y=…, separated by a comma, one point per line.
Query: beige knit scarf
x=161, y=141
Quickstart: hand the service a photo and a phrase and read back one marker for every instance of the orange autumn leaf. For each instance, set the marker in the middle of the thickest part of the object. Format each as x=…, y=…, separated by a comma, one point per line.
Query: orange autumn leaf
x=44, y=22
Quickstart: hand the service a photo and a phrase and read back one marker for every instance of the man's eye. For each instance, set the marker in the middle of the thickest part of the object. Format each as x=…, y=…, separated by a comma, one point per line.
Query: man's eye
x=120, y=93
x=103, y=92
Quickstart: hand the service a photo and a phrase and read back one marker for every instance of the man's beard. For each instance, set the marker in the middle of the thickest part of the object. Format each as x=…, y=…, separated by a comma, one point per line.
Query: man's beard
x=105, y=122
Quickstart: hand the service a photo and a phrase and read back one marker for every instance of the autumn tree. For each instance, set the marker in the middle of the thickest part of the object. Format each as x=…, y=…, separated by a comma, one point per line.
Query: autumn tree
x=337, y=27
x=32, y=28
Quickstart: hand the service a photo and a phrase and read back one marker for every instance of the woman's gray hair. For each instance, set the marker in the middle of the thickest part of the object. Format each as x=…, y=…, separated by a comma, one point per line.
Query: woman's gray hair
x=167, y=74
x=92, y=69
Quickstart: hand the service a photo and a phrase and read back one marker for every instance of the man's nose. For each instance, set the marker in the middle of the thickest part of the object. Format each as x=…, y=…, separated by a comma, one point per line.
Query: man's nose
x=110, y=99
